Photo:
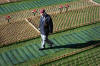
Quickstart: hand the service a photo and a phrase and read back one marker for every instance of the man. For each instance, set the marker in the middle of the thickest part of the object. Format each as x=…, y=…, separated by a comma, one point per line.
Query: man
x=45, y=27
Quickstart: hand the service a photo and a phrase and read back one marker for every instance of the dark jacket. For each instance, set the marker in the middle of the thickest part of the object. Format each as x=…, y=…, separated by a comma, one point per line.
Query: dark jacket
x=46, y=24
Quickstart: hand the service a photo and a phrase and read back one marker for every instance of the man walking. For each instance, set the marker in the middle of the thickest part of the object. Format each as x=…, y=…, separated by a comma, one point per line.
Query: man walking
x=45, y=27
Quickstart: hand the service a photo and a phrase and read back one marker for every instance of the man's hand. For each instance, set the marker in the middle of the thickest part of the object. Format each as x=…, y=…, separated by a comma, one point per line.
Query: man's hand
x=39, y=29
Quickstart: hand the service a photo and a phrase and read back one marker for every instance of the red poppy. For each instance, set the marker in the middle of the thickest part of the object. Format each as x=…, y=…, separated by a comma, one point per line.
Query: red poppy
x=34, y=11
x=66, y=5
x=60, y=6
x=8, y=17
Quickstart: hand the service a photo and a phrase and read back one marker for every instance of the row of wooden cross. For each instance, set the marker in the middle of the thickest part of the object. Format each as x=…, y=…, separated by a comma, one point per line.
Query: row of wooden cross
x=35, y=11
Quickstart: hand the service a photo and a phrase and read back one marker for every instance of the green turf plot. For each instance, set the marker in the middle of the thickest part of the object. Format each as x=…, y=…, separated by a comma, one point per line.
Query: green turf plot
x=86, y=58
x=97, y=1
x=29, y=0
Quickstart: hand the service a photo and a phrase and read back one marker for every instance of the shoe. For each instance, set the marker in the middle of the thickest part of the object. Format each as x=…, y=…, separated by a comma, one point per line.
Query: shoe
x=41, y=48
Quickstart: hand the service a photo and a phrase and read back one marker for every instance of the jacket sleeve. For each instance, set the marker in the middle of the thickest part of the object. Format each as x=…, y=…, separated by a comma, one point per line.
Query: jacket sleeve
x=50, y=25
x=49, y=22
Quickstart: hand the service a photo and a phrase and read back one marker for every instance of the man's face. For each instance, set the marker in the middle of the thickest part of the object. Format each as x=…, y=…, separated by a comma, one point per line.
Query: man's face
x=41, y=14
